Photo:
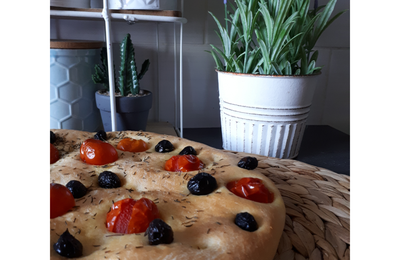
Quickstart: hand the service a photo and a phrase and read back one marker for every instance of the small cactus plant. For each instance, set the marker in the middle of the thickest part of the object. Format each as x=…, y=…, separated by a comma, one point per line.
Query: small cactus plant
x=101, y=71
x=128, y=80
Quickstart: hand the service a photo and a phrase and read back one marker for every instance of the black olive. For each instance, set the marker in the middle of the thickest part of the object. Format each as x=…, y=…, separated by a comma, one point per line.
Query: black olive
x=188, y=150
x=68, y=246
x=52, y=137
x=159, y=232
x=164, y=146
x=100, y=135
x=77, y=189
x=248, y=163
x=109, y=180
x=202, y=184
x=246, y=221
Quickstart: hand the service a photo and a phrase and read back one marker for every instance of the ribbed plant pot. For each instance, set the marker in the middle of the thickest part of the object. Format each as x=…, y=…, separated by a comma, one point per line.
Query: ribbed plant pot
x=264, y=115
x=131, y=112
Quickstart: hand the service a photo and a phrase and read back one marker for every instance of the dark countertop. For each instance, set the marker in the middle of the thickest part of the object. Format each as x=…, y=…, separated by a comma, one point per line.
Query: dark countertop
x=322, y=146
x=326, y=147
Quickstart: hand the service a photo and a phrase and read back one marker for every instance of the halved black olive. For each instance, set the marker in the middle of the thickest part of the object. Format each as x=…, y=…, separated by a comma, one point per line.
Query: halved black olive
x=188, y=150
x=246, y=221
x=68, y=246
x=164, y=146
x=202, y=184
x=248, y=163
x=159, y=232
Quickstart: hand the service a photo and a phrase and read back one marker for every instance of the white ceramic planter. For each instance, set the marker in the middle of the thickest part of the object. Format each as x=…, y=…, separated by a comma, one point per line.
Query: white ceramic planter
x=264, y=115
x=137, y=4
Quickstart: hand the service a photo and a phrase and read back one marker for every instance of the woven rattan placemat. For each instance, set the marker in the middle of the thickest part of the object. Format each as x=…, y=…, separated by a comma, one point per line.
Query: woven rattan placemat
x=317, y=209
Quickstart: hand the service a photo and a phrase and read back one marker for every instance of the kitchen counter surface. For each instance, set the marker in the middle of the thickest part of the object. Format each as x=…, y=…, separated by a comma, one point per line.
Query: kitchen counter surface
x=322, y=146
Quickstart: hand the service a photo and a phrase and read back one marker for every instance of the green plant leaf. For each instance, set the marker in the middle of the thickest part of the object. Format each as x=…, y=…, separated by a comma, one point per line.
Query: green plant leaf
x=238, y=64
x=258, y=68
x=310, y=67
x=281, y=15
x=218, y=62
x=145, y=68
x=275, y=68
x=323, y=22
x=261, y=71
x=100, y=75
x=266, y=56
x=252, y=59
x=314, y=57
x=269, y=24
x=327, y=24
x=288, y=68
x=271, y=37
x=303, y=61
x=326, y=13
x=124, y=65
x=235, y=29
x=219, y=52
x=224, y=37
x=128, y=79
x=303, y=11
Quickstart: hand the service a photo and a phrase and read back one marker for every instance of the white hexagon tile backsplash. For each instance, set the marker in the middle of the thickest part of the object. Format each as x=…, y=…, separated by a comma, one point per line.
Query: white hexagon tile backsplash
x=72, y=91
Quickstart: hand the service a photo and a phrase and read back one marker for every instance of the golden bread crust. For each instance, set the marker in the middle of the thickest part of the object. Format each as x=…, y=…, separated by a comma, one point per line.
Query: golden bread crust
x=203, y=226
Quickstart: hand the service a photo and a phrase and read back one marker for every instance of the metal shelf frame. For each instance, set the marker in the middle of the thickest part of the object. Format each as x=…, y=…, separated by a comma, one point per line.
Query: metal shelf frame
x=107, y=16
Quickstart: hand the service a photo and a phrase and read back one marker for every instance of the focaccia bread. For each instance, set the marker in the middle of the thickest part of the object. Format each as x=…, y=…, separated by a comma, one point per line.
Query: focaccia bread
x=203, y=225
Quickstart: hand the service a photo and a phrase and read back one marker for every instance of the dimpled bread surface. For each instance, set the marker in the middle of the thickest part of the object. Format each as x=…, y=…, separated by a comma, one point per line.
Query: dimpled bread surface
x=203, y=226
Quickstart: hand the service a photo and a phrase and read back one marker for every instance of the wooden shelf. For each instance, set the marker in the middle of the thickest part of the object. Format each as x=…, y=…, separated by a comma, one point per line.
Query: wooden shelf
x=122, y=11
x=127, y=15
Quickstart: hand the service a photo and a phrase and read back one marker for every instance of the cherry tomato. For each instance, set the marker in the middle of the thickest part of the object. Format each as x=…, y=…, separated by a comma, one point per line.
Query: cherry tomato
x=54, y=154
x=251, y=189
x=61, y=200
x=97, y=152
x=132, y=145
x=184, y=163
x=129, y=216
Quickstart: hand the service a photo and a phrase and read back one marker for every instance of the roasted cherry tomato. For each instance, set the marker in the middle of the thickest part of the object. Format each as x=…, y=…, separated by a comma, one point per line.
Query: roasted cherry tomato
x=251, y=189
x=184, y=163
x=132, y=145
x=97, y=152
x=61, y=200
x=54, y=154
x=129, y=216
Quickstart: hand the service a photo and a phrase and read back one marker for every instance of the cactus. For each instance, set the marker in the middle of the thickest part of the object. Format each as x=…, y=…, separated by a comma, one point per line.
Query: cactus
x=128, y=80
x=101, y=70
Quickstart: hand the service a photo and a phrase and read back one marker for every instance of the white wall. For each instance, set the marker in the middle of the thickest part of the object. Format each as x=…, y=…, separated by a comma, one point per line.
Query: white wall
x=331, y=105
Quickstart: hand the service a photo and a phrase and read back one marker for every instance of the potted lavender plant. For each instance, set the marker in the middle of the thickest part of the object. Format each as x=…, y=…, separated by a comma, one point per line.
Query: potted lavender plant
x=132, y=103
x=268, y=49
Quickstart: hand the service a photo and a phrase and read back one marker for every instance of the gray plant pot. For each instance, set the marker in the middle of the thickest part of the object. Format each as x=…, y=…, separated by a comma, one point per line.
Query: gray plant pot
x=131, y=112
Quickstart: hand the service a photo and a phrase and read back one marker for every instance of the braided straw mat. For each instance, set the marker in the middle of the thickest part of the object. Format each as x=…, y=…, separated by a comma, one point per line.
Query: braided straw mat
x=317, y=209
